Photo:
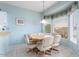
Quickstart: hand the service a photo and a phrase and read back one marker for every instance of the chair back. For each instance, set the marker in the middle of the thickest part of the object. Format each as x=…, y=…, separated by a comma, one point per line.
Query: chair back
x=57, y=40
x=46, y=43
x=26, y=39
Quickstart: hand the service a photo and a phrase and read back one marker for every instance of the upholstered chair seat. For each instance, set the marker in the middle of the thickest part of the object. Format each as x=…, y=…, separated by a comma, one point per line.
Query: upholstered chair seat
x=45, y=44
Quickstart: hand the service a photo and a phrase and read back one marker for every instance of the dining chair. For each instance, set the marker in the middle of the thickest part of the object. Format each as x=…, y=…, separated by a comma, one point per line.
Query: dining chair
x=45, y=44
x=26, y=37
x=56, y=42
x=29, y=44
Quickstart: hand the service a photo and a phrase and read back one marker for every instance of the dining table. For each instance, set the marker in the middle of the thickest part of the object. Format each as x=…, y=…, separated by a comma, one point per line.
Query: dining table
x=37, y=38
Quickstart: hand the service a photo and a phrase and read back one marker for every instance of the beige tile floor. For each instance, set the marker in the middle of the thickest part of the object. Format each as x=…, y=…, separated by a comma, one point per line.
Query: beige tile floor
x=20, y=51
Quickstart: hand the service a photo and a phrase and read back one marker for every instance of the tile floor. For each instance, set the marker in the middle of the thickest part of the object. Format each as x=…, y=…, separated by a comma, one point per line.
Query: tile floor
x=20, y=51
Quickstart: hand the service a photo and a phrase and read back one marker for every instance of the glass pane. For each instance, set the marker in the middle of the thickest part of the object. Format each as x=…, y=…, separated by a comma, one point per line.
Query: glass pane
x=74, y=19
x=61, y=26
x=48, y=26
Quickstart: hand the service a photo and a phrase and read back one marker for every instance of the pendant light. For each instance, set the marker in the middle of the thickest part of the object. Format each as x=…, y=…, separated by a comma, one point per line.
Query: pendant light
x=43, y=21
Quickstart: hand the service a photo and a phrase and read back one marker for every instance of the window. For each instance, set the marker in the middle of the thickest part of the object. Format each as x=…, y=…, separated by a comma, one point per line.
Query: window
x=73, y=33
x=48, y=26
x=61, y=26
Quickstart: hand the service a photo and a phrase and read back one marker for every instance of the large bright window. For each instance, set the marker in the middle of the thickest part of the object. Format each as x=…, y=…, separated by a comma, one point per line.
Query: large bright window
x=57, y=25
x=61, y=26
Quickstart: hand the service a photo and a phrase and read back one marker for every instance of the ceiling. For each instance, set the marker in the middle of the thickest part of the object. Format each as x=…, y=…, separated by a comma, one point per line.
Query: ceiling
x=58, y=7
x=32, y=5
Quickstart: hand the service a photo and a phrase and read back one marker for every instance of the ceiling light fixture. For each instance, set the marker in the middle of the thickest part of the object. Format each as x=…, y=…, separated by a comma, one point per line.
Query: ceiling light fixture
x=43, y=21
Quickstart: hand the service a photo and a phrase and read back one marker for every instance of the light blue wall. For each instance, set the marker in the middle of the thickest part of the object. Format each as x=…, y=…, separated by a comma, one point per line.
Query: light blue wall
x=31, y=25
